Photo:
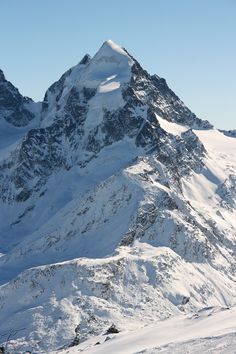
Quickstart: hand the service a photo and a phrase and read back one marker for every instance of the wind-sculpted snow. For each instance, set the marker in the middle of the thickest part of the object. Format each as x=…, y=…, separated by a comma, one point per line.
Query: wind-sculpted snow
x=113, y=189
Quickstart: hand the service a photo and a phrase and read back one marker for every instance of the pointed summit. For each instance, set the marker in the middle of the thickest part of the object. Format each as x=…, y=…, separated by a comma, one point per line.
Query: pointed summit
x=111, y=46
x=110, y=64
x=2, y=76
x=85, y=60
x=14, y=107
x=109, y=49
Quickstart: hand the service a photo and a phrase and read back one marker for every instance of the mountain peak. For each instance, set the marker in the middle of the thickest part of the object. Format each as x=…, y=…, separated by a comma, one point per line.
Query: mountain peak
x=86, y=58
x=112, y=45
x=2, y=76
x=111, y=49
x=110, y=68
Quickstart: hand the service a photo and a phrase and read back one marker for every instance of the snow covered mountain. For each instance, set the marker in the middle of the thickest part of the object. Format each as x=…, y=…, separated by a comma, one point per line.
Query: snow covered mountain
x=110, y=188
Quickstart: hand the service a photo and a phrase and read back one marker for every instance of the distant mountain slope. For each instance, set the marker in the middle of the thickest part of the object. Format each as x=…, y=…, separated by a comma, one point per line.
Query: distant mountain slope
x=114, y=188
x=17, y=110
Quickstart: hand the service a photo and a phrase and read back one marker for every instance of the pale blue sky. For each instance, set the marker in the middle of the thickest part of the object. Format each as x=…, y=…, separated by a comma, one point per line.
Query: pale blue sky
x=191, y=43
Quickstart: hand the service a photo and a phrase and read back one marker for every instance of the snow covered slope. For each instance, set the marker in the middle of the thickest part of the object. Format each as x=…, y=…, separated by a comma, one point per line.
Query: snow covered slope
x=211, y=330
x=114, y=188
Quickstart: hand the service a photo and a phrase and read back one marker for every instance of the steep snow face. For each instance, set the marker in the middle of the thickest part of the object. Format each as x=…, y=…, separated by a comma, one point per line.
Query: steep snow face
x=217, y=179
x=109, y=68
x=107, y=73
x=119, y=189
x=170, y=127
x=102, y=77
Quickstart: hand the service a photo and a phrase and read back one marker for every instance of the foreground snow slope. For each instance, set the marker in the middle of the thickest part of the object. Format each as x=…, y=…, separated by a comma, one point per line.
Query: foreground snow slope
x=113, y=188
x=51, y=301
x=207, y=331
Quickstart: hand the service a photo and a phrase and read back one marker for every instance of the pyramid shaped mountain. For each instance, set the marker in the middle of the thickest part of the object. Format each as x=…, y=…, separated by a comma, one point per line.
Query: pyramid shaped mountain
x=110, y=187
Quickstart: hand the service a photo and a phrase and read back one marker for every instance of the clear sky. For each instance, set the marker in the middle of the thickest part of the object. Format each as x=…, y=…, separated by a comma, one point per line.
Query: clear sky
x=191, y=43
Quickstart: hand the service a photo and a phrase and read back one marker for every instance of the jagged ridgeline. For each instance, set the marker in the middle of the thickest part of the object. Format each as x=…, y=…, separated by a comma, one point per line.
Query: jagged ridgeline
x=110, y=187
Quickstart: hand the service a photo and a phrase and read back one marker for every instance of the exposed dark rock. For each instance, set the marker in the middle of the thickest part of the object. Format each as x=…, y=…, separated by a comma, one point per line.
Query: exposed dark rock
x=185, y=300
x=85, y=59
x=230, y=133
x=76, y=340
x=112, y=329
x=13, y=106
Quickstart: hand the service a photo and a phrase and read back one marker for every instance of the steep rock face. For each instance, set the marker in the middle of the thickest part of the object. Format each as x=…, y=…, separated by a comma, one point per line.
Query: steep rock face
x=14, y=108
x=115, y=188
